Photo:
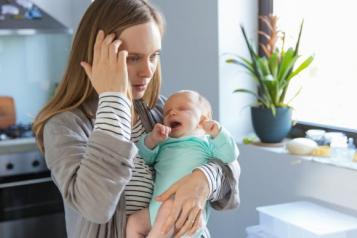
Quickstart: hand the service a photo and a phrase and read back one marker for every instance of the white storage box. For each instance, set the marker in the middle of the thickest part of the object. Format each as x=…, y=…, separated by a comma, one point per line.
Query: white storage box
x=306, y=220
x=258, y=232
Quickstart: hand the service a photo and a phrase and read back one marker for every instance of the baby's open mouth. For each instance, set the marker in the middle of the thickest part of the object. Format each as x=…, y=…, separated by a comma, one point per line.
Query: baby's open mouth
x=175, y=124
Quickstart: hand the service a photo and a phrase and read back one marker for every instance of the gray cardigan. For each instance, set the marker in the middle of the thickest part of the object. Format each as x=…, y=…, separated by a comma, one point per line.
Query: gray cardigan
x=91, y=170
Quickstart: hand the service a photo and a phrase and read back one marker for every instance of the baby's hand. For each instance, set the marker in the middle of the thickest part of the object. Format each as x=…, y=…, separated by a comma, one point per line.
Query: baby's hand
x=211, y=127
x=159, y=133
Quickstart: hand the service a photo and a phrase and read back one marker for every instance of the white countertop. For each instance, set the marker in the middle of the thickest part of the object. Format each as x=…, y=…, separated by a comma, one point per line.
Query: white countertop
x=18, y=145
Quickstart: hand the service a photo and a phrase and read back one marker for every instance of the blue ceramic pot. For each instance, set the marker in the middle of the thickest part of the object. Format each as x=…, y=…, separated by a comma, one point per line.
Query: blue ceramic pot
x=270, y=128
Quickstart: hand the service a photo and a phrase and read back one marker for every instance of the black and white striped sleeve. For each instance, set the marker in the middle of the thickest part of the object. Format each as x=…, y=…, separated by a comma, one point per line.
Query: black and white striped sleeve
x=114, y=115
x=216, y=180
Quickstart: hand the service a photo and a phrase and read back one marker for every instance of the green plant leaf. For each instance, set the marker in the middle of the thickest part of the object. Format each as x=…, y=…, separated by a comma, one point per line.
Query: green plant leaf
x=254, y=57
x=263, y=64
x=301, y=67
x=259, y=99
x=272, y=72
x=274, y=64
x=242, y=90
x=244, y=63
x=299, y=37
x=287, y=63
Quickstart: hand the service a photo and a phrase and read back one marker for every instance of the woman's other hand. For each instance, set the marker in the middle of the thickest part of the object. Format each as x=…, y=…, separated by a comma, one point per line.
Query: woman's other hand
x=190, y=196
x=108, y=72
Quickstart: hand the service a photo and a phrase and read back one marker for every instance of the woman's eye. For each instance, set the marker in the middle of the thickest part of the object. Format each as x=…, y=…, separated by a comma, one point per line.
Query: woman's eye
x=133, y=59
x=154, y=57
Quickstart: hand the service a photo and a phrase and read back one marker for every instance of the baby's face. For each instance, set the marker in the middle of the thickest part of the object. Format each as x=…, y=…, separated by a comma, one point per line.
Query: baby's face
x=182, y=113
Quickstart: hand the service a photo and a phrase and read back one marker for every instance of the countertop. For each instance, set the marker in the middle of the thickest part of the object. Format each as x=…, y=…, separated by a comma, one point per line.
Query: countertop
x=18, y=145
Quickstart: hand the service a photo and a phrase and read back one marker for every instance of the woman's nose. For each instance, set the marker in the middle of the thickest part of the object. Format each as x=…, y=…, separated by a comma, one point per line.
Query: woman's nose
x=172, y=113
x=146, y=70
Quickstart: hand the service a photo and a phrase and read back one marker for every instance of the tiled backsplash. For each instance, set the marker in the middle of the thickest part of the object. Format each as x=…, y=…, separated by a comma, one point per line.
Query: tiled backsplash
x=29, y=68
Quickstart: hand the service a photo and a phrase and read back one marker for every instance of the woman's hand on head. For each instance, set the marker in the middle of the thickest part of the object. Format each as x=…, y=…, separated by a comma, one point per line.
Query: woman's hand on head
x=190, y=196
x=108, y=72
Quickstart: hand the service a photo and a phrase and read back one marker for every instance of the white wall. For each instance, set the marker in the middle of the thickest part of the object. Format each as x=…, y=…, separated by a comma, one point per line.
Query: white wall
x=233, y=108
x=190, y=48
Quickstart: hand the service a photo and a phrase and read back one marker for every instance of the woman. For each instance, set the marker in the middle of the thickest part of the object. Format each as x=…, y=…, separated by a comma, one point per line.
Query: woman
x=88, y=129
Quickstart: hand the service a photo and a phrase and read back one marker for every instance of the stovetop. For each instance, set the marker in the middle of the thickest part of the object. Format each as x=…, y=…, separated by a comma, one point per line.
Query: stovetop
x=19, y=154
x=16, y=131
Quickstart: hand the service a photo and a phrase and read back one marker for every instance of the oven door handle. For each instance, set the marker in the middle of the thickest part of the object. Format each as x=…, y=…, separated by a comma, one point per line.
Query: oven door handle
x=25, y=182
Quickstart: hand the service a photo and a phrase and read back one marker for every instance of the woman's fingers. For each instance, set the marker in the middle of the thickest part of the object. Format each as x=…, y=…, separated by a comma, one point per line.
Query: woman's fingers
x=105, y=47
x=98, y=46
x=197, y=224
x=183, y=215
x=169, y=192
x=189, y=224
x=87, y=69
x=170, y=222
x=114, y=49
x=108, y=72
x=187, y=210
x=122, y=55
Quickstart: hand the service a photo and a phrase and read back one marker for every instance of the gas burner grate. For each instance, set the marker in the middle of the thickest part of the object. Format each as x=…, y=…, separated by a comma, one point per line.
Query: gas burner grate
x=16, y=131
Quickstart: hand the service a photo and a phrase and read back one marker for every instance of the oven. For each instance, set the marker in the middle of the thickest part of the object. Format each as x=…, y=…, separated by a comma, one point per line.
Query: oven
x=30, y=203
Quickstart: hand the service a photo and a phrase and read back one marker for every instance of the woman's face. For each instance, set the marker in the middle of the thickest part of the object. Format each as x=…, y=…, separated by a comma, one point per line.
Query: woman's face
x=143, y=43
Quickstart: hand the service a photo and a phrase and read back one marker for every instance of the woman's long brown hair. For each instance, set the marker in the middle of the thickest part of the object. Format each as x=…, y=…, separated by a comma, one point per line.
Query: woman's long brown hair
x=111, y=16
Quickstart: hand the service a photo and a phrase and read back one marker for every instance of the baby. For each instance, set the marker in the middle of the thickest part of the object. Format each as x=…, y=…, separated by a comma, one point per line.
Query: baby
x=188, y=139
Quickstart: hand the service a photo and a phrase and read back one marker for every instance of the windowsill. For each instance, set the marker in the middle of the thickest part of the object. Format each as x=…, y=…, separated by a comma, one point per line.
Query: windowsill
x=337, y=162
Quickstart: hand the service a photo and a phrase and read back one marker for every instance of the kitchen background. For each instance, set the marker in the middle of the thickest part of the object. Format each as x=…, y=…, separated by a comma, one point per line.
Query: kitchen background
x=30, y=66
x=198, y=34
x=33, y=52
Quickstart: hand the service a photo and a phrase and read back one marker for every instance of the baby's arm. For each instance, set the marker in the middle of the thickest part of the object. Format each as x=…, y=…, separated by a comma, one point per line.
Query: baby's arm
x=223, y=145
x=157, y=135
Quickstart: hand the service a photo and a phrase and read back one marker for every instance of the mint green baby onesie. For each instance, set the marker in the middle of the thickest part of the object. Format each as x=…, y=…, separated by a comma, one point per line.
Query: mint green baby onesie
x=176, y=157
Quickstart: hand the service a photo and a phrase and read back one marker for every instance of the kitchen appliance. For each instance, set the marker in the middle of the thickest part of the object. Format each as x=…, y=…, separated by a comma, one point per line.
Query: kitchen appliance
x=23, y=17
x=7, y=112
x=30, y=203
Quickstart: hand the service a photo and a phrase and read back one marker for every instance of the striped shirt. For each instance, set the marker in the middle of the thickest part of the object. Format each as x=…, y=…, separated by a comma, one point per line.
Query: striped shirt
x=114, y=117
x=139, y=190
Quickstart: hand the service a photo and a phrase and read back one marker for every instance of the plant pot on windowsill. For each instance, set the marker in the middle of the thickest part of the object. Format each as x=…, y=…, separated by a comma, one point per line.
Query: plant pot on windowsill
x=271, y=128
x=272, y=73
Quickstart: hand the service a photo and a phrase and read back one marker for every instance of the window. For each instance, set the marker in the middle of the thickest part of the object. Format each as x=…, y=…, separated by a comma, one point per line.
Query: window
x=329, y=85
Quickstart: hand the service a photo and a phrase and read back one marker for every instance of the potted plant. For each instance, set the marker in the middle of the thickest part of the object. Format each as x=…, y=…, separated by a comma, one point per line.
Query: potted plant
x=272, y=73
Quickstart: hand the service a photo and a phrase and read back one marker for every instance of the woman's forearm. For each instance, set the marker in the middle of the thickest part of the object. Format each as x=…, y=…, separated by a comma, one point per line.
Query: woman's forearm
x=224, y=183
x=91, y=168
x=114, y=115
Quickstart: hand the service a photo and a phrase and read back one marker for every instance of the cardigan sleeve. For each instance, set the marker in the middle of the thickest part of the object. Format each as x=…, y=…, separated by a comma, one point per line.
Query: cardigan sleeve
x=90, y=168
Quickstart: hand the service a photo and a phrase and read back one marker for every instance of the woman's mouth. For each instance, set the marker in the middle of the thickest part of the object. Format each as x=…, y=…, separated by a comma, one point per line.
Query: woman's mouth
x=139, y=87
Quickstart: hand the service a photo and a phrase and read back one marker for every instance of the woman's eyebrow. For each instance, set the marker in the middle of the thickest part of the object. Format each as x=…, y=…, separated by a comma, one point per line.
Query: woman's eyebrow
x=141, y=54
